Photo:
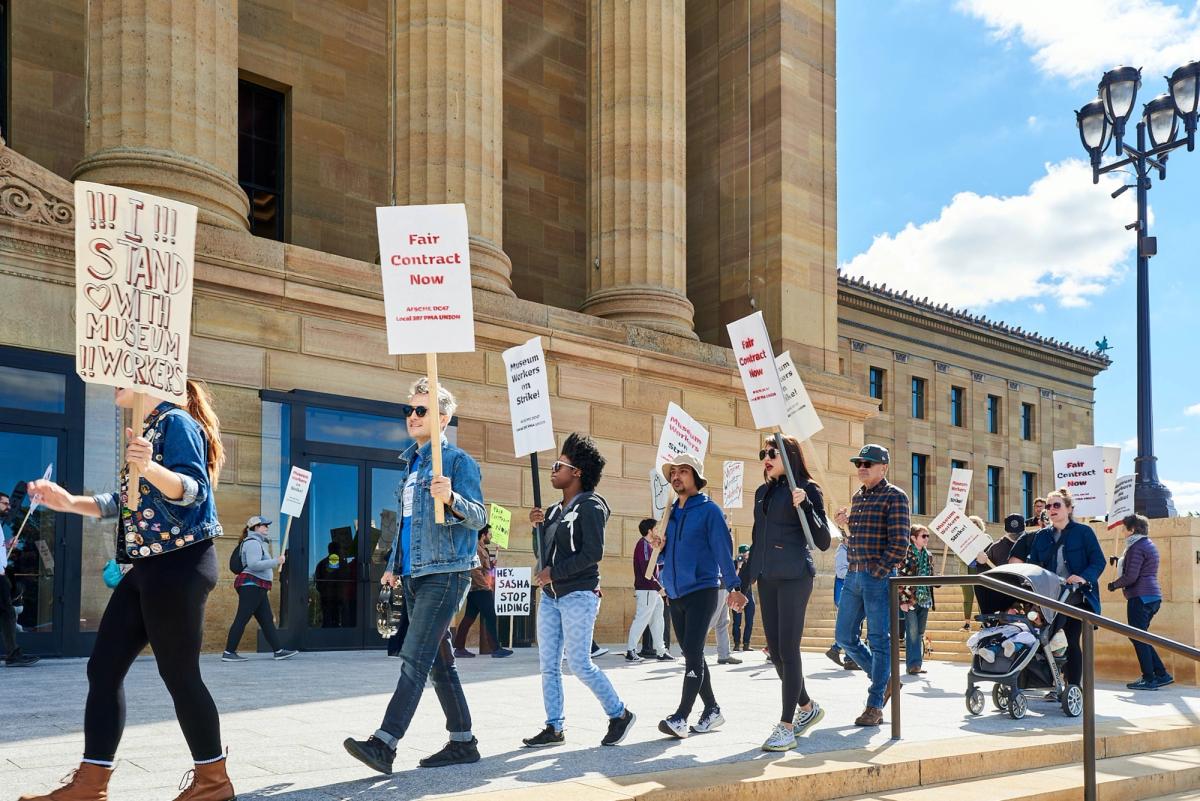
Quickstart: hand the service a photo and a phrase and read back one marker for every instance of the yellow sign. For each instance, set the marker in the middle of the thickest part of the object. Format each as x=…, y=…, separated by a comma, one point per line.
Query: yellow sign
x=500, y=520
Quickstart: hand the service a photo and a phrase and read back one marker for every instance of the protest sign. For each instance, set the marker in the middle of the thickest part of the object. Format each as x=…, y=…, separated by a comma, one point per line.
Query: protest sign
x=760, y=377
x=732, y=485
x=33, y=504
x=294, y=496
x=1112, y=463
x=134, y=265
x=514, y=590
x=960, y=487
x=680, y=434
x=961, y=535
x=500, y=520
x=1081, y=471
x=1122, y=504
x=801, y=419
x=529, y=398
x=660, y=493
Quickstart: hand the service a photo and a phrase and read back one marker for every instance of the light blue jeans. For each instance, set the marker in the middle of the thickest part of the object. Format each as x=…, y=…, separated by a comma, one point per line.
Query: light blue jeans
x=567, y=623
x=863, y=594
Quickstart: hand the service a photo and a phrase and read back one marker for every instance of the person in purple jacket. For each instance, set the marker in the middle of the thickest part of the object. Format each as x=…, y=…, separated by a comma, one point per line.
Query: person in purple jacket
x=649, y=614
x=1138, y=582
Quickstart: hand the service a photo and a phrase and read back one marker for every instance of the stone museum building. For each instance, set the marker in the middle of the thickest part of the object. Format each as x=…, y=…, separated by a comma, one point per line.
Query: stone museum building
x=636, y=175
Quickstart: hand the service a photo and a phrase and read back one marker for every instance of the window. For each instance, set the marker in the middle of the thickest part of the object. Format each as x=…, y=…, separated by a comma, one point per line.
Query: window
x=920, y=477
x=918, y=398
x=878, y=376
x=957, y=397
x=994, y=494
x=1027, y=422
x=261, y=157
x=958, y=464
x=1028, y=492
x=993, y=414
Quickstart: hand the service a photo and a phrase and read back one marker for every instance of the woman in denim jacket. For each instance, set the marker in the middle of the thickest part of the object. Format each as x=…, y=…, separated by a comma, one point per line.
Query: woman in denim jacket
x=167, y=532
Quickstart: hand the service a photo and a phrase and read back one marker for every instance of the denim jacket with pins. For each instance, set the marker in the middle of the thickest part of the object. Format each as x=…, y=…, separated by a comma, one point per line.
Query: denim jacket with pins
x=156, y=524
x=449, y=547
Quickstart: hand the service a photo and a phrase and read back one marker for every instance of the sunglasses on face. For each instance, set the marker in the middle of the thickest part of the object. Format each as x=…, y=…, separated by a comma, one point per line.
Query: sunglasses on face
x=408, y=410
x=559, y=464
x=864, y=463
x=1056, y=505
x=921, y=537
x=768, y=453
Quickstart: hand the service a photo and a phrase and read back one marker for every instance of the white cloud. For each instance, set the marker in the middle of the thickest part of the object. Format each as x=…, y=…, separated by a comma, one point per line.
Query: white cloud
x=1040, y=308
x=1186, y=495
x=1193, y=410
x=1080, y=39
x=1065, y=239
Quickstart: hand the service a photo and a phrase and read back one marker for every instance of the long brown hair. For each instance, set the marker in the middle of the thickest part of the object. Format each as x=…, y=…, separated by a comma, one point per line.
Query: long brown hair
x=791, y=447
x=199, y=406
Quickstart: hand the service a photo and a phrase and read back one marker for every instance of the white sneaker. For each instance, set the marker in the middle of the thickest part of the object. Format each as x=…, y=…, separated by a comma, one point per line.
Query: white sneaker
x=803, y=720
x=782, y=739
x=674, y=726
x=600, y=651
x=710, y=720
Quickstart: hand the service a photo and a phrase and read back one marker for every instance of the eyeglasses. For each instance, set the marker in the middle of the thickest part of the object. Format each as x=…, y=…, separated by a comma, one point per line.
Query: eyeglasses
x=559, y=464
x=768, y=453
x=408, y=410
x=921, y=537
x=1055, y=505
x=864, y=463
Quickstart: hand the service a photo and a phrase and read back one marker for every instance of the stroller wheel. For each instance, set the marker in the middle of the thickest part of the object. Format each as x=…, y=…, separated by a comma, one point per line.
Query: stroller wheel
x=975, y=701
x=1000, y=697
x=1071, y=701
x=1018, y=705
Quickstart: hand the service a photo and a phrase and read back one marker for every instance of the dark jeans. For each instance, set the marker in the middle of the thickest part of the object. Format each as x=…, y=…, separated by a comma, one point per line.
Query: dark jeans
x=1139, y=615
x=431, y=602
x=915, y=620
x=254, y=601
x=481, y=604
x=691, y=614
x=8, y=618
x=738, y=635
x=784, y=604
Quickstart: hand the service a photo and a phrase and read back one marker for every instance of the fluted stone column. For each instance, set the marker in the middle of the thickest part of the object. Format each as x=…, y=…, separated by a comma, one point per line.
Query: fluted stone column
x=162, y=102
x=637, y=259
x=449, y=121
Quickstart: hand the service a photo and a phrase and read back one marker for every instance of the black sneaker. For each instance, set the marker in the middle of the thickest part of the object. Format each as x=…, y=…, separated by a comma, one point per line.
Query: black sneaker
x=631, y=656
x=618, y=728
x=544, y=738
x=284, y=653
x=1164, y=680
x=21, y=660
x=372, y=752
x=665, y=656
x=645, y=654
x=453, y=753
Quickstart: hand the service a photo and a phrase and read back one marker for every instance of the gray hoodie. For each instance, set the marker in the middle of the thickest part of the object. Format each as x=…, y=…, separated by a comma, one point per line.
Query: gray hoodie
x=257, y=557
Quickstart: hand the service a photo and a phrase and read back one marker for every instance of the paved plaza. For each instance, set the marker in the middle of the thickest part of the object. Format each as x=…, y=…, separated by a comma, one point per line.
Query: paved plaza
x=284, y=723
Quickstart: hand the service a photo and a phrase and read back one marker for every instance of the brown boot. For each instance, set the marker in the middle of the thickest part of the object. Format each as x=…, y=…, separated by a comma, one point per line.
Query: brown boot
x=88, y=783
x=871, y=716
x=209, y=782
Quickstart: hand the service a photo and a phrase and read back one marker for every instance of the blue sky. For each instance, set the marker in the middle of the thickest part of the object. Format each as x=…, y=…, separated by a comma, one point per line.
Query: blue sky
x=961, y=177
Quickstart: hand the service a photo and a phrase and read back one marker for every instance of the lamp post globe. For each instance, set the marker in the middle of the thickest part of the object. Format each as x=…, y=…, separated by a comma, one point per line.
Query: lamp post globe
x=1118, y=90
x=1095, y=132
x=1184, y=86
x=1162, y=123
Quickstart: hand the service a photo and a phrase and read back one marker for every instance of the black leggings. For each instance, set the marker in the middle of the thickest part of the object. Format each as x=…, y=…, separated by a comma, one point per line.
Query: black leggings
x=1073, y=669
x=254, y=601
x=160, y=603
x=8, y=617
x=691, y=614
x=782, y=605
x=481, y=604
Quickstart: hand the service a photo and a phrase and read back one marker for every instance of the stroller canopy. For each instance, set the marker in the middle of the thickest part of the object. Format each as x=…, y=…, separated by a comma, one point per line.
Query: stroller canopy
x=1029, y=577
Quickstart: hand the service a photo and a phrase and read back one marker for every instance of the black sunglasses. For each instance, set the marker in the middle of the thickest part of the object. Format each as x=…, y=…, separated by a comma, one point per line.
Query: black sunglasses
x=864, y=463
x=408, y=410
x=1055, y=505
x=768, y=453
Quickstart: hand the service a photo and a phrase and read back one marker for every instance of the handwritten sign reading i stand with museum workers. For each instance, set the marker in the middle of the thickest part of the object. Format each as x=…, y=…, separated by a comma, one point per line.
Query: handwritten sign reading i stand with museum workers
x=424, y=255
x=134, y=260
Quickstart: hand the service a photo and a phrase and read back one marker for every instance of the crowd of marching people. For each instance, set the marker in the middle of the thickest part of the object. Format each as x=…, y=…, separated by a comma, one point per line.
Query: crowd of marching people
x=686, y=580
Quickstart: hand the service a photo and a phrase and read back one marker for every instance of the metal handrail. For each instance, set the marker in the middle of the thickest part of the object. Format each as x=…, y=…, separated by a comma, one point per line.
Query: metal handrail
x=1087, y=644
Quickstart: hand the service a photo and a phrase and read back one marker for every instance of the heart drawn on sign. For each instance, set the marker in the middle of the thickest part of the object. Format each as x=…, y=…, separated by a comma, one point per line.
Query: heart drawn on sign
x=99, y=294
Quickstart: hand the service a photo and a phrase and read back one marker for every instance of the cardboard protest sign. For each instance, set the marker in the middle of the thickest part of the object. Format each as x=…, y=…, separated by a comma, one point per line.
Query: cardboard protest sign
x=960, y=487
x=1112, y=463
x=514, y=590
x=801, y=420
x=134, y=267
x=731, y=487
x=760, y=377
x=529, y=398
x=680, y=434
x=660, y=493
x=1122, y=504
x=1081, y=471
x=500, y=520
x=961, y=535
x=296, y=492
x=425, y=259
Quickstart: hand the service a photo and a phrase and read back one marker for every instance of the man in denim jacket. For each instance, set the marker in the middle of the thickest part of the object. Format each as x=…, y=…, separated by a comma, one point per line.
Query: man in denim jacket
x=433, y=563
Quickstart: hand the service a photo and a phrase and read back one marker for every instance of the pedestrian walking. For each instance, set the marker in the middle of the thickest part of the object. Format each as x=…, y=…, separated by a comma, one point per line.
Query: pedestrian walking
x=648, y=615
x=916, y=601
x=1137, y=579
x=253, y=586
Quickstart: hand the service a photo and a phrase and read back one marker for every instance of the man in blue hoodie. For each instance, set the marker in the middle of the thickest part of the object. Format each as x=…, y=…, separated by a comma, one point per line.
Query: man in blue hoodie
x=697, y=555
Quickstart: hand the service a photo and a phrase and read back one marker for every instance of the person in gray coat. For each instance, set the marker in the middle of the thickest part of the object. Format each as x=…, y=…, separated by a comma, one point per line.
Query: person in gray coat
x=253, y=587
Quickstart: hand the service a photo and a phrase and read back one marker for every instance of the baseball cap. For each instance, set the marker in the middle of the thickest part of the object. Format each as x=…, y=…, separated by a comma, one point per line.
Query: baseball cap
x=871, y=453
x=257, y=520
x=743, y=548
x=1014, y=524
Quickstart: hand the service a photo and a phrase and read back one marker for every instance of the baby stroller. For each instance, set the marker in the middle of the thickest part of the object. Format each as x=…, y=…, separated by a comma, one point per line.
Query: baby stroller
x=1026, y=668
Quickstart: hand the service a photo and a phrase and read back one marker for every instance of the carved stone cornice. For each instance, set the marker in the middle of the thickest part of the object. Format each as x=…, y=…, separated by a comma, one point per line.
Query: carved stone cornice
x=33, y=194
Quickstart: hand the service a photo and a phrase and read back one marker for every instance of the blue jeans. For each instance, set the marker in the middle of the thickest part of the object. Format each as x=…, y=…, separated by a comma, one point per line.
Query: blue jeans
x=1139, y=615
x=741, y=636
x=431, y=601
x=567, y=623
x=914, y=636
x=865, y=595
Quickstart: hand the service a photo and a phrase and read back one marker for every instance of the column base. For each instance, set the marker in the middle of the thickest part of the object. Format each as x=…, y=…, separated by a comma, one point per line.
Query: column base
x=217, y=196
x=491, y=269
x=1153, y=500
x=653, y=307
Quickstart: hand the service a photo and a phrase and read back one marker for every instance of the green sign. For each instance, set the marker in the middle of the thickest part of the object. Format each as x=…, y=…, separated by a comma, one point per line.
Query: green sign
x=500, y=521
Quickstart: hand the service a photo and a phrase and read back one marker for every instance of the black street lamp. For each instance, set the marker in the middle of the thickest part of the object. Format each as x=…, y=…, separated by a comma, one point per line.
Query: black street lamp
x=1100, y=122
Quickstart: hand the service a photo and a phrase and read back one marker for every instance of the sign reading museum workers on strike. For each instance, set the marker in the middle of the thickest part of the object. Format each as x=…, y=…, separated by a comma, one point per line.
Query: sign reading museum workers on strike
x=134, y=259
x=529, y=398
x=426, y=263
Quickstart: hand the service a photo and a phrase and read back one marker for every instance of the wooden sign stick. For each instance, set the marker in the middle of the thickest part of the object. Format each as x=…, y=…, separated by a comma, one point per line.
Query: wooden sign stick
x=662, y=529
x=287, y=532
x=140, y=403
x=435, y=413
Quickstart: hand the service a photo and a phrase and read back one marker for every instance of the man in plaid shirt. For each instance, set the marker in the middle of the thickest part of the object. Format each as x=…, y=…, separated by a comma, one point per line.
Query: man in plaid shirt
x=877, y=540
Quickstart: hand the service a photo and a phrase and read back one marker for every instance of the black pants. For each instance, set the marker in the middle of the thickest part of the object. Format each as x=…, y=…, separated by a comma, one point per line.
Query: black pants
x=1139, y=615
x=253, y=601
x=481, y=604
x=739, y=635
x=160, y=603
x=783, y=604
x=8, y=618
x=691, y=615
x=1073, y=670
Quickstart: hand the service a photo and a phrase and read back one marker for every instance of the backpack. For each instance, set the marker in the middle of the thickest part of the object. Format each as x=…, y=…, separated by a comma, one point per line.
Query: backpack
x=237, y=562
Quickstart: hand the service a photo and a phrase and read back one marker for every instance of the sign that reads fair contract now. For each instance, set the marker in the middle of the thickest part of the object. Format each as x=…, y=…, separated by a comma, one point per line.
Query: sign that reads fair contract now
x=514, y=590
x=760, y=376
x=1081, y=471
x=426, y=264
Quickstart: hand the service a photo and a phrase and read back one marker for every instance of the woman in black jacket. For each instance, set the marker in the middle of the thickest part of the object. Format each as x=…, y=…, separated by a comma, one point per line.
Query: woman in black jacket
x=782, y=564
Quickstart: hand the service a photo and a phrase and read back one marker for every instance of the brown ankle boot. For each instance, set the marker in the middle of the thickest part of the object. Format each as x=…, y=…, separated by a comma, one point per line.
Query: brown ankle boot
x=209, y=782
x=88, y=783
